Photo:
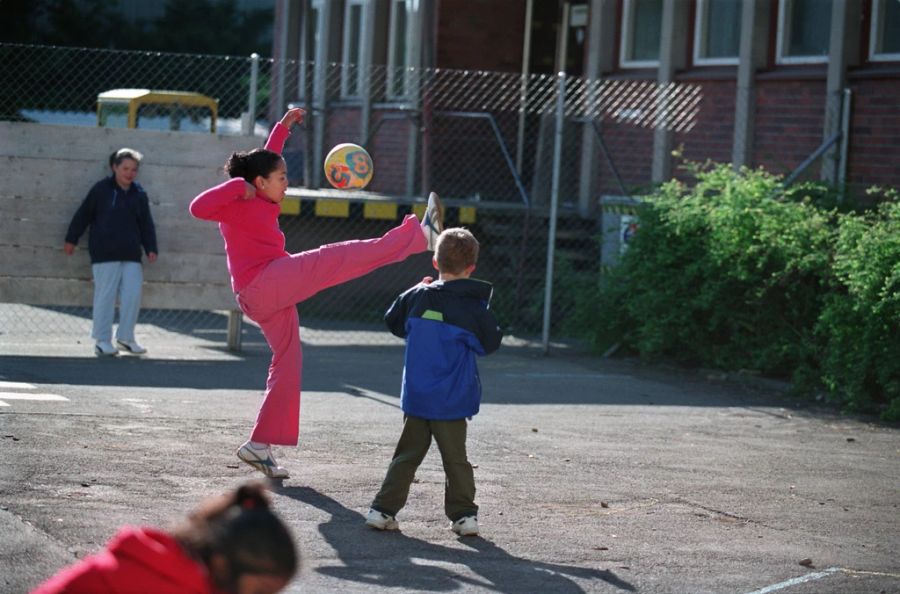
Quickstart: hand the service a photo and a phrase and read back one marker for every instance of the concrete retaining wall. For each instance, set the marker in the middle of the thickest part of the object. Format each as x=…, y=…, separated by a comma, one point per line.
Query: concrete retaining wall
x=46, y=173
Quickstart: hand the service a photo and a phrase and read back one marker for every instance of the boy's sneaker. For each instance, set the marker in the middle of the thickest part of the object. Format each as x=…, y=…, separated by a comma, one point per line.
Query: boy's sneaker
x=433, y=220
x=105, y=348
x=381, y=521
x=467, y=526
x=262, y=460
x=132, y=347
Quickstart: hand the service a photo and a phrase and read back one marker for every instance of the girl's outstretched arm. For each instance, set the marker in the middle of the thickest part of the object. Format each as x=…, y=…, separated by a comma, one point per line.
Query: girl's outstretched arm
x=282, y=129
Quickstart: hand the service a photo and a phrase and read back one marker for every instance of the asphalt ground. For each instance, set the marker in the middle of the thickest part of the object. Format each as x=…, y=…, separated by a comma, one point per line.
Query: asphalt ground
x=593, y=475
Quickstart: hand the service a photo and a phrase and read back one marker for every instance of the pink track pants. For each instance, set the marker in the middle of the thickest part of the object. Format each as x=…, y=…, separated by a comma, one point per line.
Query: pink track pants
x=270, y=300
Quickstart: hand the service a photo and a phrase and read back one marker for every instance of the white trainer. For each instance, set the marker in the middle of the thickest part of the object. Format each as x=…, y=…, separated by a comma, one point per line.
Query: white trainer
x=433, y=220
x=105, y=348
x=132, y=347
x=262, y=460
x=381, y=521
x=467, y=526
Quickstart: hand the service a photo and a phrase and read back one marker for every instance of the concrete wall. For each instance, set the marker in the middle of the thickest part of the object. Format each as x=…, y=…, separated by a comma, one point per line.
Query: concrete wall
x=48, y=170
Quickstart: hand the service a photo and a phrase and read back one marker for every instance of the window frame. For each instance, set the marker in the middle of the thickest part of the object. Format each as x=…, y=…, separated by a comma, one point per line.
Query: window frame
x=627, y=28
x=874, y=37
x=701, y=26
x=781, y=39
x=304, y=60
x=393, y=68
x=346, y=67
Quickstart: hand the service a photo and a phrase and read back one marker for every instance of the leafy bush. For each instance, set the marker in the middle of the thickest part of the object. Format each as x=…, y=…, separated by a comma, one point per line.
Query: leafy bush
x=860, y=325
x=734, y=273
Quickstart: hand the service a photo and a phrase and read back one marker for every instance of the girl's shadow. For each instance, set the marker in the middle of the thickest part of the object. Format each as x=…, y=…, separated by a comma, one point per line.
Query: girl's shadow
x=393, y=560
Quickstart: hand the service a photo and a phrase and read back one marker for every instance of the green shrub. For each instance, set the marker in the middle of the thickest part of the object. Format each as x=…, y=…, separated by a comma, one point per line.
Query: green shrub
x=732, y=272
x=860, y=325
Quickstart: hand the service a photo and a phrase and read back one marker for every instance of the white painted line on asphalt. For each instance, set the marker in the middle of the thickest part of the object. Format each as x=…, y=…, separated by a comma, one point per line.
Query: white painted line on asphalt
x=3, y=403
x=16, y=386
x=32, y=396
x=797, y=580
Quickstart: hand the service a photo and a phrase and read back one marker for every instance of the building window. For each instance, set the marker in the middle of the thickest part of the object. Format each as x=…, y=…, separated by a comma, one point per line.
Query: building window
x=641, y=28
x=352, y=71
x=717, y=32
x=398, y=50
x=884, y=40
x=804, y=31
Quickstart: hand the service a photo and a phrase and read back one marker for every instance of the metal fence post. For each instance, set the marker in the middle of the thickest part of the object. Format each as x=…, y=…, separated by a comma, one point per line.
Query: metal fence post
x=554, y=203
x=845, y=142
x=251, y=96
x=235, y=327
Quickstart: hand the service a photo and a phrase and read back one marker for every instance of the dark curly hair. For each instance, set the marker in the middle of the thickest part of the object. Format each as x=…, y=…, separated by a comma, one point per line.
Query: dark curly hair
x=250, y=164
x=241, y=528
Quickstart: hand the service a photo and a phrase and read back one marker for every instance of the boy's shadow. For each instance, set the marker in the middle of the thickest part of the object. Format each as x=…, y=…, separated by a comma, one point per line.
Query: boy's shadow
x=394, y=560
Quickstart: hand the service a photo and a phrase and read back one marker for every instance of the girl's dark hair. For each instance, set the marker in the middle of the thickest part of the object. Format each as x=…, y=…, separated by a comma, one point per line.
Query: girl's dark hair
x=125, y=153
x=251, y=164
x=242, y=529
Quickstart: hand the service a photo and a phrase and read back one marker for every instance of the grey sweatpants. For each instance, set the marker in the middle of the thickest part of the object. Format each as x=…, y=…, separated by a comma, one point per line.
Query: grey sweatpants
x=113, y=280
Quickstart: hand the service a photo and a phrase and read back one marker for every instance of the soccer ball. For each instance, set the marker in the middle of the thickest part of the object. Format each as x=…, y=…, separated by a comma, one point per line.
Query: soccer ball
x=348, y=166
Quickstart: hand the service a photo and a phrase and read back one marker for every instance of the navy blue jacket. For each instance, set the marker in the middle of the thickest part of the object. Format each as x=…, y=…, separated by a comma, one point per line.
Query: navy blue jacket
x=120, y=222
x=446, y=324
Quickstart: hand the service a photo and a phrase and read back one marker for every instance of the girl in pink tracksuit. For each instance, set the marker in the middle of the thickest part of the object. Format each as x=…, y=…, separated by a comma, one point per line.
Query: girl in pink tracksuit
x=269, y=282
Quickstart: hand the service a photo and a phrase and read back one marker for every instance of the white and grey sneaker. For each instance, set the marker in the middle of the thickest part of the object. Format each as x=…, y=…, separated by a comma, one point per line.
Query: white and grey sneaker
x=433, y=220
x=105, y=348
x=381, y=521
x=262, y=460
x=467, y=526
x=132, y=347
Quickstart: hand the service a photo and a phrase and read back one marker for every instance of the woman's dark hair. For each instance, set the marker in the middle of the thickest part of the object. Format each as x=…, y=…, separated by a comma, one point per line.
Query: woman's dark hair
x=251, y=164
x=125, y=153
x=242, y=529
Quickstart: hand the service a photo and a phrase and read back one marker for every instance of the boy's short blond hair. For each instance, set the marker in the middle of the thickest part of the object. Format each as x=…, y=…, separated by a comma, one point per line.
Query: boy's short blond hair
x=456, y=250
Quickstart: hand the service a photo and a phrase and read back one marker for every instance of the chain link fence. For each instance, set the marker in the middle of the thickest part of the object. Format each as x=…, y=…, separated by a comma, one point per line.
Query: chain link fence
x=491, y=144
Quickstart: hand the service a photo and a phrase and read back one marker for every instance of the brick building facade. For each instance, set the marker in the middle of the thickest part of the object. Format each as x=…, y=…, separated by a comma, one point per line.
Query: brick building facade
x=771, y=81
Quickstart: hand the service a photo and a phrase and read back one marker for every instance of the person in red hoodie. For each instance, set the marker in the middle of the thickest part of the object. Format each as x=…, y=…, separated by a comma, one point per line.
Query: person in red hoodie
x=269, y=282
x=234, y=544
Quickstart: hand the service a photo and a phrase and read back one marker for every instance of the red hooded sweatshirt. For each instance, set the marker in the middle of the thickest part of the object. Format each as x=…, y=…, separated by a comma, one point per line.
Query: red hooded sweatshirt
x=136, y=560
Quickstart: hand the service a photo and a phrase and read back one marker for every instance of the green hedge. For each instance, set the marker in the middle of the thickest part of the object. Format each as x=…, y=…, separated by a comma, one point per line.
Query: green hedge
x=734, y=272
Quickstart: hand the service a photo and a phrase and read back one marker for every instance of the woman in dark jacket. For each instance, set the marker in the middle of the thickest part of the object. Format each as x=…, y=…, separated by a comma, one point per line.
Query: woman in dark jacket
x=118, y=212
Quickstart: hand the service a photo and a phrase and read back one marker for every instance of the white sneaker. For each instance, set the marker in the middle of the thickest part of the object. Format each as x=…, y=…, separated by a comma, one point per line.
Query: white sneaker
x=105, y=348
x=132, y=347
x=381, y=521
x=433, y=220
x=467, y=526
x=262, y=460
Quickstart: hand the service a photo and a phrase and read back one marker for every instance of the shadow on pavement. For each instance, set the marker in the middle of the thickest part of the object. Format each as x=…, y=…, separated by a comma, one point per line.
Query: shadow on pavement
x=375, y=372
x=394, y=560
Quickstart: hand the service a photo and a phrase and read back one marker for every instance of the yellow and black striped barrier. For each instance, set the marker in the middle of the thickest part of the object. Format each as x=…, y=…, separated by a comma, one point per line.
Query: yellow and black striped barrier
x=619, y=209
x=375, y=209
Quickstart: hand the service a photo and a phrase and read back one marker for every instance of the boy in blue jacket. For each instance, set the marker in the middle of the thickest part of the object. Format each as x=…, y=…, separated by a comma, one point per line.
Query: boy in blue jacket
x=446, y=324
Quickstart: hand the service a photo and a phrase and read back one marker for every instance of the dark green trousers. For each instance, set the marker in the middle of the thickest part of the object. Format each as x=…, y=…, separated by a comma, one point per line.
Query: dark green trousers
x=415, y=440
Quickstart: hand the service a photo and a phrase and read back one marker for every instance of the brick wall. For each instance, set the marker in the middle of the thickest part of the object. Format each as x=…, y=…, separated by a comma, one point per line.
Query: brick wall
x=481, y=34
x=790, y=115
x=389, y=150
x=709, y=132
x=874, y=155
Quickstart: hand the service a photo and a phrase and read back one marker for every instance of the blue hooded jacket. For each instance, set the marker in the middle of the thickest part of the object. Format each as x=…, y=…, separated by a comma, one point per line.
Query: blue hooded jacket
x=120, y=222
x=446, y=324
